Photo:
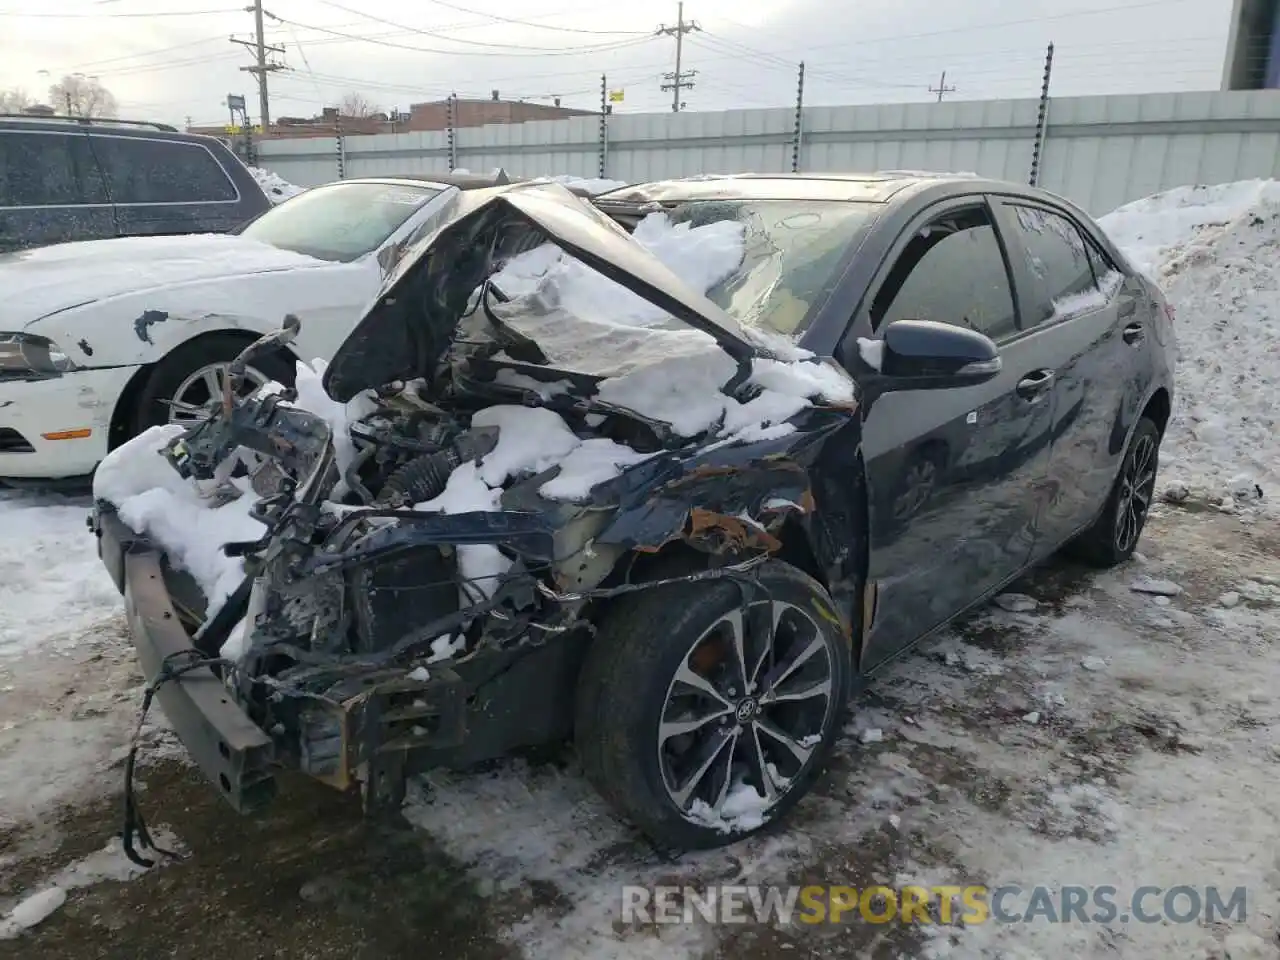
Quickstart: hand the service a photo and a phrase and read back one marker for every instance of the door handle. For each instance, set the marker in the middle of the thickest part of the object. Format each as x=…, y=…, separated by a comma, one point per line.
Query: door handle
x=1133, y=333
x=1034, y=384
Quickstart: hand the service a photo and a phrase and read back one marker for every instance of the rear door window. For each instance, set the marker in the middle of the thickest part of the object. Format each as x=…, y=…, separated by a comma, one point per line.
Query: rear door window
x=47, y=170
x=1060, y=262
x=141, y=170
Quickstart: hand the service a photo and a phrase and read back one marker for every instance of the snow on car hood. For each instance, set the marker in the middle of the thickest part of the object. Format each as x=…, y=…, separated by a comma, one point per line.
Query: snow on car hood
x=46, y=280
x=415, y=316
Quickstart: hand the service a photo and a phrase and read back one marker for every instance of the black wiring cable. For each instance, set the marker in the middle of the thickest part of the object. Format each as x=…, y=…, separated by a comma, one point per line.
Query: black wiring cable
x=134, y=825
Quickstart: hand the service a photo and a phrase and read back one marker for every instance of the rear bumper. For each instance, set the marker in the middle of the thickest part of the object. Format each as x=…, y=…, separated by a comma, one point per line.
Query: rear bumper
x=229, y=748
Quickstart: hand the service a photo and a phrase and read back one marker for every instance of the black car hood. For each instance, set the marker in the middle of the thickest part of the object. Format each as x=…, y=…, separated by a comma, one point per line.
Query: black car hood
x=411, y=324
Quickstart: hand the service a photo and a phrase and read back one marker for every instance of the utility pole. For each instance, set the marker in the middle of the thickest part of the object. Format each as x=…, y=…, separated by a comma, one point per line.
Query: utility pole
x=260, y=48
x=678, y=79
x=942, y=87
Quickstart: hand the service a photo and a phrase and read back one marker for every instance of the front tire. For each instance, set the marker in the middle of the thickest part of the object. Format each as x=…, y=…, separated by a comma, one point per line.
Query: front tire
x=704, y=720
x=1115, y=534
x=184, y=384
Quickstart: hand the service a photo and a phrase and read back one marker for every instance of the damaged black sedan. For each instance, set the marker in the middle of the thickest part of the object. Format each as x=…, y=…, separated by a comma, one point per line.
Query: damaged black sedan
x=671, y=540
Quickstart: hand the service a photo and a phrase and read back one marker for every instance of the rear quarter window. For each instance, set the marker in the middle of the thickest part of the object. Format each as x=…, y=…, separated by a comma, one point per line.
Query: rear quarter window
x=47, y=170
x=141, y=170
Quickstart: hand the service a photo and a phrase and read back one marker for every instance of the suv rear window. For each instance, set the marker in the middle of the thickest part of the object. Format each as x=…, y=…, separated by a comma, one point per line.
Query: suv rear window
x=144, y=170
x=47, y=169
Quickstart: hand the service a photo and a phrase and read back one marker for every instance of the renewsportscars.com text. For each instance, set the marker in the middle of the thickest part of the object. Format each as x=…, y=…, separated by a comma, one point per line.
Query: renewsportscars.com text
x=968, y=905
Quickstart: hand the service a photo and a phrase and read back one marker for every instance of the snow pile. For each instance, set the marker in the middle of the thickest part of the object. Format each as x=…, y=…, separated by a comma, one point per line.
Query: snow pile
x=151, y=498
x=1213, y=251
x=685, y=392
x=277, y=189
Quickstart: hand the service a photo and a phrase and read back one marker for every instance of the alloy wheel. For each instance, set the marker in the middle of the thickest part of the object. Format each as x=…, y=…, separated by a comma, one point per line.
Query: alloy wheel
x=1137, y=487
x=745, y=709
x=198, y=395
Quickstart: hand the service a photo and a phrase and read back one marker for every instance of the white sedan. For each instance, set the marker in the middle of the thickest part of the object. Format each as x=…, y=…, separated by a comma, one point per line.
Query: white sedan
x=100, y=340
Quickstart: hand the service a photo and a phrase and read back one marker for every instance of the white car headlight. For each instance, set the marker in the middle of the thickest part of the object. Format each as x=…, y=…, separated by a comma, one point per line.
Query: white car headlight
x=25, y=356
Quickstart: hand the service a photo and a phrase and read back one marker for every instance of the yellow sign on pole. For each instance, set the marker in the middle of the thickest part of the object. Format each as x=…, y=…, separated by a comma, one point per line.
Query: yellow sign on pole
x=616, y=96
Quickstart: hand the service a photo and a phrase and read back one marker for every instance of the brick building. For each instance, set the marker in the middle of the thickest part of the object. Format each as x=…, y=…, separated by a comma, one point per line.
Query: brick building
x=421, y=116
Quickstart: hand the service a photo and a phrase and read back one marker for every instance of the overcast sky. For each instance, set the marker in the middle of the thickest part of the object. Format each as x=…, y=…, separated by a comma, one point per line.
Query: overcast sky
x=171, y=59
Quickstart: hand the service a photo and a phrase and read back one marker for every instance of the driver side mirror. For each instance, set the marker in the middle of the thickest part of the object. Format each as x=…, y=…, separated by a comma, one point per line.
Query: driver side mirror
x=928, y=355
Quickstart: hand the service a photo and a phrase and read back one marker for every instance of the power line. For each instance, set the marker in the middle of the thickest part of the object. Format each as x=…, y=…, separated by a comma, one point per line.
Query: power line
x=677, y=78
x=117, y=16
x=526, y=23
x=969, y=28
x=540, y=52
x=760, y=58
x=476, y=43
x=146, y=53
x=139, y=69
x=492, y=17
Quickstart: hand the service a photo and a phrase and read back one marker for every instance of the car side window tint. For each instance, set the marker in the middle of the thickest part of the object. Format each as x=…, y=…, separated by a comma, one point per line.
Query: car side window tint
x=142, y=170
x=1060, y=265
x=46, y=169
x=953, y=271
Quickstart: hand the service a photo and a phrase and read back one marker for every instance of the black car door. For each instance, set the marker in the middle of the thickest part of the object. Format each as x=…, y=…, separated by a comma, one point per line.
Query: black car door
x=51, y=191
x=954, y=474
x=1082, y=303
x=163, y=186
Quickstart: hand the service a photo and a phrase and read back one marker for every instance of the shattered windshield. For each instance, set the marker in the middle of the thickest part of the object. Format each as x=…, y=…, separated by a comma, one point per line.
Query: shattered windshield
x=340, y=221
x=793, y=254
x=767, y=263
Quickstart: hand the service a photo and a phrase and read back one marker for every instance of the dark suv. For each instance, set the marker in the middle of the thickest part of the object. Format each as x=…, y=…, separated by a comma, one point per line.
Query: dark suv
x=71, y=178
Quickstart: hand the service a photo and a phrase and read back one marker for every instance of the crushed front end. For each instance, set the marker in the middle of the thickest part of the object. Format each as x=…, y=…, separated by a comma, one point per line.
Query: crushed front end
x=411, y=571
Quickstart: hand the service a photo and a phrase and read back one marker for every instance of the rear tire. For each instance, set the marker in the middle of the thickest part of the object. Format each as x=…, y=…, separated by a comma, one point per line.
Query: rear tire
x=662, y=689
x=1115, y=534
x=181, y=372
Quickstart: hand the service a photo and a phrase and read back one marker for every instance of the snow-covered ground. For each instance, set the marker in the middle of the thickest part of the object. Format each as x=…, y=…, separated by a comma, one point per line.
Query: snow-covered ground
x=1093, y=734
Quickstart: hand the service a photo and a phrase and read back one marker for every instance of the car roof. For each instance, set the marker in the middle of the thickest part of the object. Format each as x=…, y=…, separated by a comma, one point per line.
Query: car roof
x=140, y=128
x=884, y=186
x=463, y=181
